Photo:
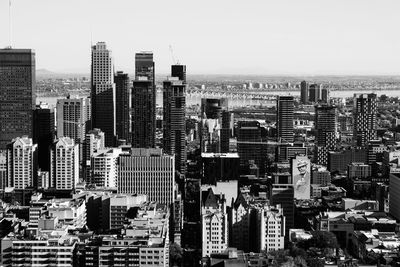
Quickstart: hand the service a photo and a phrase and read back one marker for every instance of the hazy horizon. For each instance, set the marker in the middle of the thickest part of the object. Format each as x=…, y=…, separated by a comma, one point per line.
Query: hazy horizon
x=269, y=38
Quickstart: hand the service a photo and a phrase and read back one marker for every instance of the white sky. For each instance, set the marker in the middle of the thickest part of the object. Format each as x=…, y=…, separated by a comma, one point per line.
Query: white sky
x=295, y=37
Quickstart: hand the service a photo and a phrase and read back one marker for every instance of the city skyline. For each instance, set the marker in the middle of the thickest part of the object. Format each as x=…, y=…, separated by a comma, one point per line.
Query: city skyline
x=261, y=38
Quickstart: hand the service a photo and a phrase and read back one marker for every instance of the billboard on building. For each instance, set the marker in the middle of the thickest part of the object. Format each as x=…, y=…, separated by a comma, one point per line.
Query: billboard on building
x=301, y=169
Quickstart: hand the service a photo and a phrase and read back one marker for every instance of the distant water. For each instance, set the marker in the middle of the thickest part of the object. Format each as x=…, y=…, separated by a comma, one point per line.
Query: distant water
x=52, y=101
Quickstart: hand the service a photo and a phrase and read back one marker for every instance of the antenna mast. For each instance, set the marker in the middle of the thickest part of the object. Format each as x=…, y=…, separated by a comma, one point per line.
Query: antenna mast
x=9, y=23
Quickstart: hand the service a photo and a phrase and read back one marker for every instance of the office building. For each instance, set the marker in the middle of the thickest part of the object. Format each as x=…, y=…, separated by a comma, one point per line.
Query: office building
x=326, y=131
x=144, y=241
x=214, y=223
x=283, y=194
x=338, y=160
x=104, y=167
x=106, y=211
x=304, y=92
x=17, y=93
x=251, y=146
x=325, y=95
x=270, y=228
x=103, y=92
x=144, y=102
x=215, y=125
x=73, y=118
x=394, y=197
x=22, y=163
x=284, y=117
x=358, y=170
x=64, y=166
x=320, y=176
x=123, y=106
x=219, y=167
x=174, y=122
x=4, y=182
x=285, y=152
x=94, y=141
x=179, y=71
x=143, y=113
x=315, y=93
x=43, y=134
x=364, y=112
x=149, y=172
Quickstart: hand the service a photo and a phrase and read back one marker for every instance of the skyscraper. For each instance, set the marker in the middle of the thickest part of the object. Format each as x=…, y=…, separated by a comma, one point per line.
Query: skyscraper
x=103, y=92
x=284, y=117
x=73, y=118
x=364, y=112
x=22, y=163
x=64, y=174
x=251, y=146
x=123, y=105
x=144, y=102
x=315, y=92
x=215, y=125
x=43, y=134
x=304, y=92
x=174, y=122
x=326, y=127
x=17, y=93
x=143, y=114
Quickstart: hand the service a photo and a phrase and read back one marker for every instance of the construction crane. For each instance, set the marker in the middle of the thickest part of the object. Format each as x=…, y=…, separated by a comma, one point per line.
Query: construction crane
x=172, y=55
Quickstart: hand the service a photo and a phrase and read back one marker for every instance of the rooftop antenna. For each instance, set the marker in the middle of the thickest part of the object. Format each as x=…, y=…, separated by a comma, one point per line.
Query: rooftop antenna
x=9, y=24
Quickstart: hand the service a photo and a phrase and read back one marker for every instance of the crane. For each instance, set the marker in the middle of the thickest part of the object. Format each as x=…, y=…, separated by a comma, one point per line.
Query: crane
x=172, y=55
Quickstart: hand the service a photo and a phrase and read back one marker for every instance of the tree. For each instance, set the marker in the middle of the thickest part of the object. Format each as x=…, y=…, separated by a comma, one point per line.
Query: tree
x=315, y=262
x=175, y=255
x=320, y=239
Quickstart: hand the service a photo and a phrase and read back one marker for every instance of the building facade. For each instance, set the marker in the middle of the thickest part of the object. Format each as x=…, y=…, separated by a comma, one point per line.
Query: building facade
x=147, y=171
x=284, y=118
x=123, y=106
x=174, y=122
x=103, y=92
x=17, y=93
x=364, y=112
x=64, y=174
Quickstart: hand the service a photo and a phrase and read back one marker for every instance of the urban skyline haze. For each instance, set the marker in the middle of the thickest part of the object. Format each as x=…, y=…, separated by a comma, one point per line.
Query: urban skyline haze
x=286, y=37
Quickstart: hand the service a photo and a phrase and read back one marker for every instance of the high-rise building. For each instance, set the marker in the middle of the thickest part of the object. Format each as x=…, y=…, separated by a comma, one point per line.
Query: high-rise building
x=94, y=141
x=174, y=122
x=3, y=170
x=394, y=198
x=64, y=174
x=147, y=171
x=22, y=163
x=251, y=146
x=123, y=106
x=104, y=165
x=144, y=102
x=143, y=114
x=304, y=92
x=179, y=71
x=17, y=94
x=284, y=117
x=103, y=92
x=326, y=127
x=219, y=167
x=364, y=112
x=325, y=95
x=283, y=194
x=43, y=133
x=315, y=93
x=214, y=223
x=215, y=125
x=73, y=118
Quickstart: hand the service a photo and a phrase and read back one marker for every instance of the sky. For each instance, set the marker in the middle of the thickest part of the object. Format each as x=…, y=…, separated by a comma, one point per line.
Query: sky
x=260, y=37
